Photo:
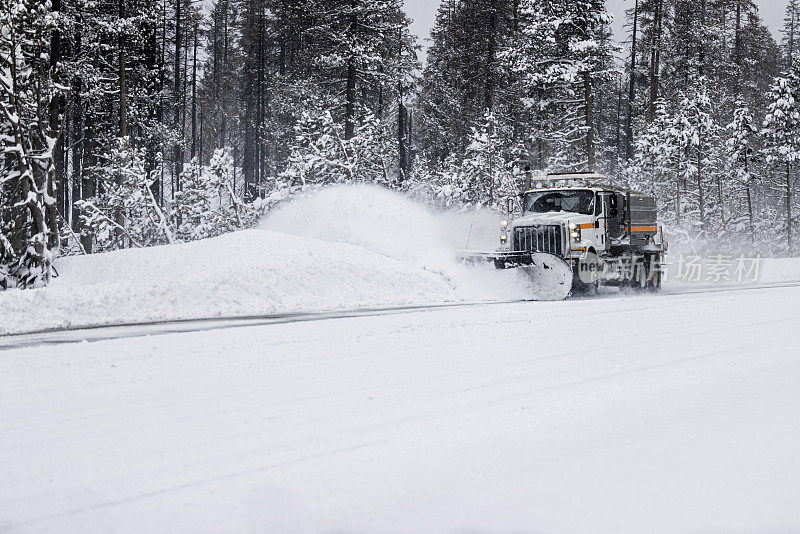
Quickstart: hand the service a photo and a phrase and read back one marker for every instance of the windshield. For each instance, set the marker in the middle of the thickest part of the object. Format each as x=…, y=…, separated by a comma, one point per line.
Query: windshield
x=578, y=201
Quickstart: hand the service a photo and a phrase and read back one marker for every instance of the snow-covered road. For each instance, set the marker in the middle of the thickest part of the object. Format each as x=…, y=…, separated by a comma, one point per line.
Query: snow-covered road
x=526, y=417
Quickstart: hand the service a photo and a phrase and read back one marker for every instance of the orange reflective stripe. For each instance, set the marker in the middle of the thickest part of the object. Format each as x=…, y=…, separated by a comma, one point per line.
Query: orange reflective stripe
x=587, y=226
x=643, y=229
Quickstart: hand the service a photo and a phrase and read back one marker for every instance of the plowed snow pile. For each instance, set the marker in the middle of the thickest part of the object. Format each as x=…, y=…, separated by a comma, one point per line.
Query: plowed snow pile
x=342, y=248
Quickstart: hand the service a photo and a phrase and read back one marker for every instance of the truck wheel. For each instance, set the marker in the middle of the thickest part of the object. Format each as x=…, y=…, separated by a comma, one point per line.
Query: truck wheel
x=639, y=280
x=587, y=274
x=584, y=289
x=654, y=276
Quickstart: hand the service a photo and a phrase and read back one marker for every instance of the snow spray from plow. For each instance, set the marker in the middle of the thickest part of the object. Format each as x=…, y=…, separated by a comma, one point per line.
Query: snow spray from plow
x=394, y=225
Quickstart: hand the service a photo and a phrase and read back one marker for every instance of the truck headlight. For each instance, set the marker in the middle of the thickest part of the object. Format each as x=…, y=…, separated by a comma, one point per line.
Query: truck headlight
x=504, y=225
x=503, y=238
x=576, y=234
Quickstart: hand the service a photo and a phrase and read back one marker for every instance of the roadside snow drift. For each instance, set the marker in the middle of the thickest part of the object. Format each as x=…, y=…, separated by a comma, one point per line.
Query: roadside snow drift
x=343, y=248
x=248, y=272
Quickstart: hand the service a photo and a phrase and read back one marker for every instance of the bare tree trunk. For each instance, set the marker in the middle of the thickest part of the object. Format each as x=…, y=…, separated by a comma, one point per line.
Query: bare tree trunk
x=750, y=212
x=123, y=124
x=200, y=148
x=194, y=96
x=488, y=97
x=655, y=59
x=223, y=127
x=790, y=37
x=491, y=164
x=700, y=189
x=350, y=107
x=737, y=47
x=185, y=82
x=402, y=135
x=350, y=92
x=678, y=190
x=261, y=106
x=618, y=126
x=77, y=158
x=176, y=99
x=589, y=117
x=789, y=207
x=158, y=185
x=701, y=39
x=748, y=186
x=88, y=189
x=631, y=87
x=57, y=108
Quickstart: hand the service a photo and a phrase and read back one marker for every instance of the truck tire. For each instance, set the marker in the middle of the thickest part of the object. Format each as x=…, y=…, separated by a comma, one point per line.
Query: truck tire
x=639, y=280
x=654, y=275
x=582, y=288
x=587, y=274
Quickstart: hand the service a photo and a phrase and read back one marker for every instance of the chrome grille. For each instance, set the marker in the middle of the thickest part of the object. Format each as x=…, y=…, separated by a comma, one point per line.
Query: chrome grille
x=539, y=239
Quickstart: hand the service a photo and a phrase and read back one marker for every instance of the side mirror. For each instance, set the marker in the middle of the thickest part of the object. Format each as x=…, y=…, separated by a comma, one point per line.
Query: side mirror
x=510, y=205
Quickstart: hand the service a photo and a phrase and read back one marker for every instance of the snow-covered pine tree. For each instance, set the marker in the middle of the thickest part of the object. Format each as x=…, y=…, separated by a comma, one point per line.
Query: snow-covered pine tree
x=739, y=150
x=561, y=59
x=465, y=75
x=125, y=212
x=28, y=137
x=791, y=34
x=322, y=154
x=193, y=205
x=653, y=167
x=233, y=212
x=724, y=41
x=400, y=84
x=349, y=40
x=698, y=138
x=207, y=205
x=483, y=164
x=111, y=54
x=782, y=140
x=484, y=177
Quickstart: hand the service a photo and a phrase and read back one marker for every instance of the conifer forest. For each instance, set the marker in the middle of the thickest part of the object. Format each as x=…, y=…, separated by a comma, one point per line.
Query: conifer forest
x=134, y=123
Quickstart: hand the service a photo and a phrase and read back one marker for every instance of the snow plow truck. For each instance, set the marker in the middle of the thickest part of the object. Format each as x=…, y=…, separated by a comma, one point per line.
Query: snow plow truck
x=572, y=232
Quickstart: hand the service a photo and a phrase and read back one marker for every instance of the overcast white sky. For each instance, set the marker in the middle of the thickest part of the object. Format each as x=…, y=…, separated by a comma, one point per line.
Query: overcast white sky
x=423, y=12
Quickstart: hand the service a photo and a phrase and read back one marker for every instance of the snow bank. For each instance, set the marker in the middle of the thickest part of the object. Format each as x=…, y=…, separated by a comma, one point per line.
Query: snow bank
x=343, y=248
x=249, y=272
